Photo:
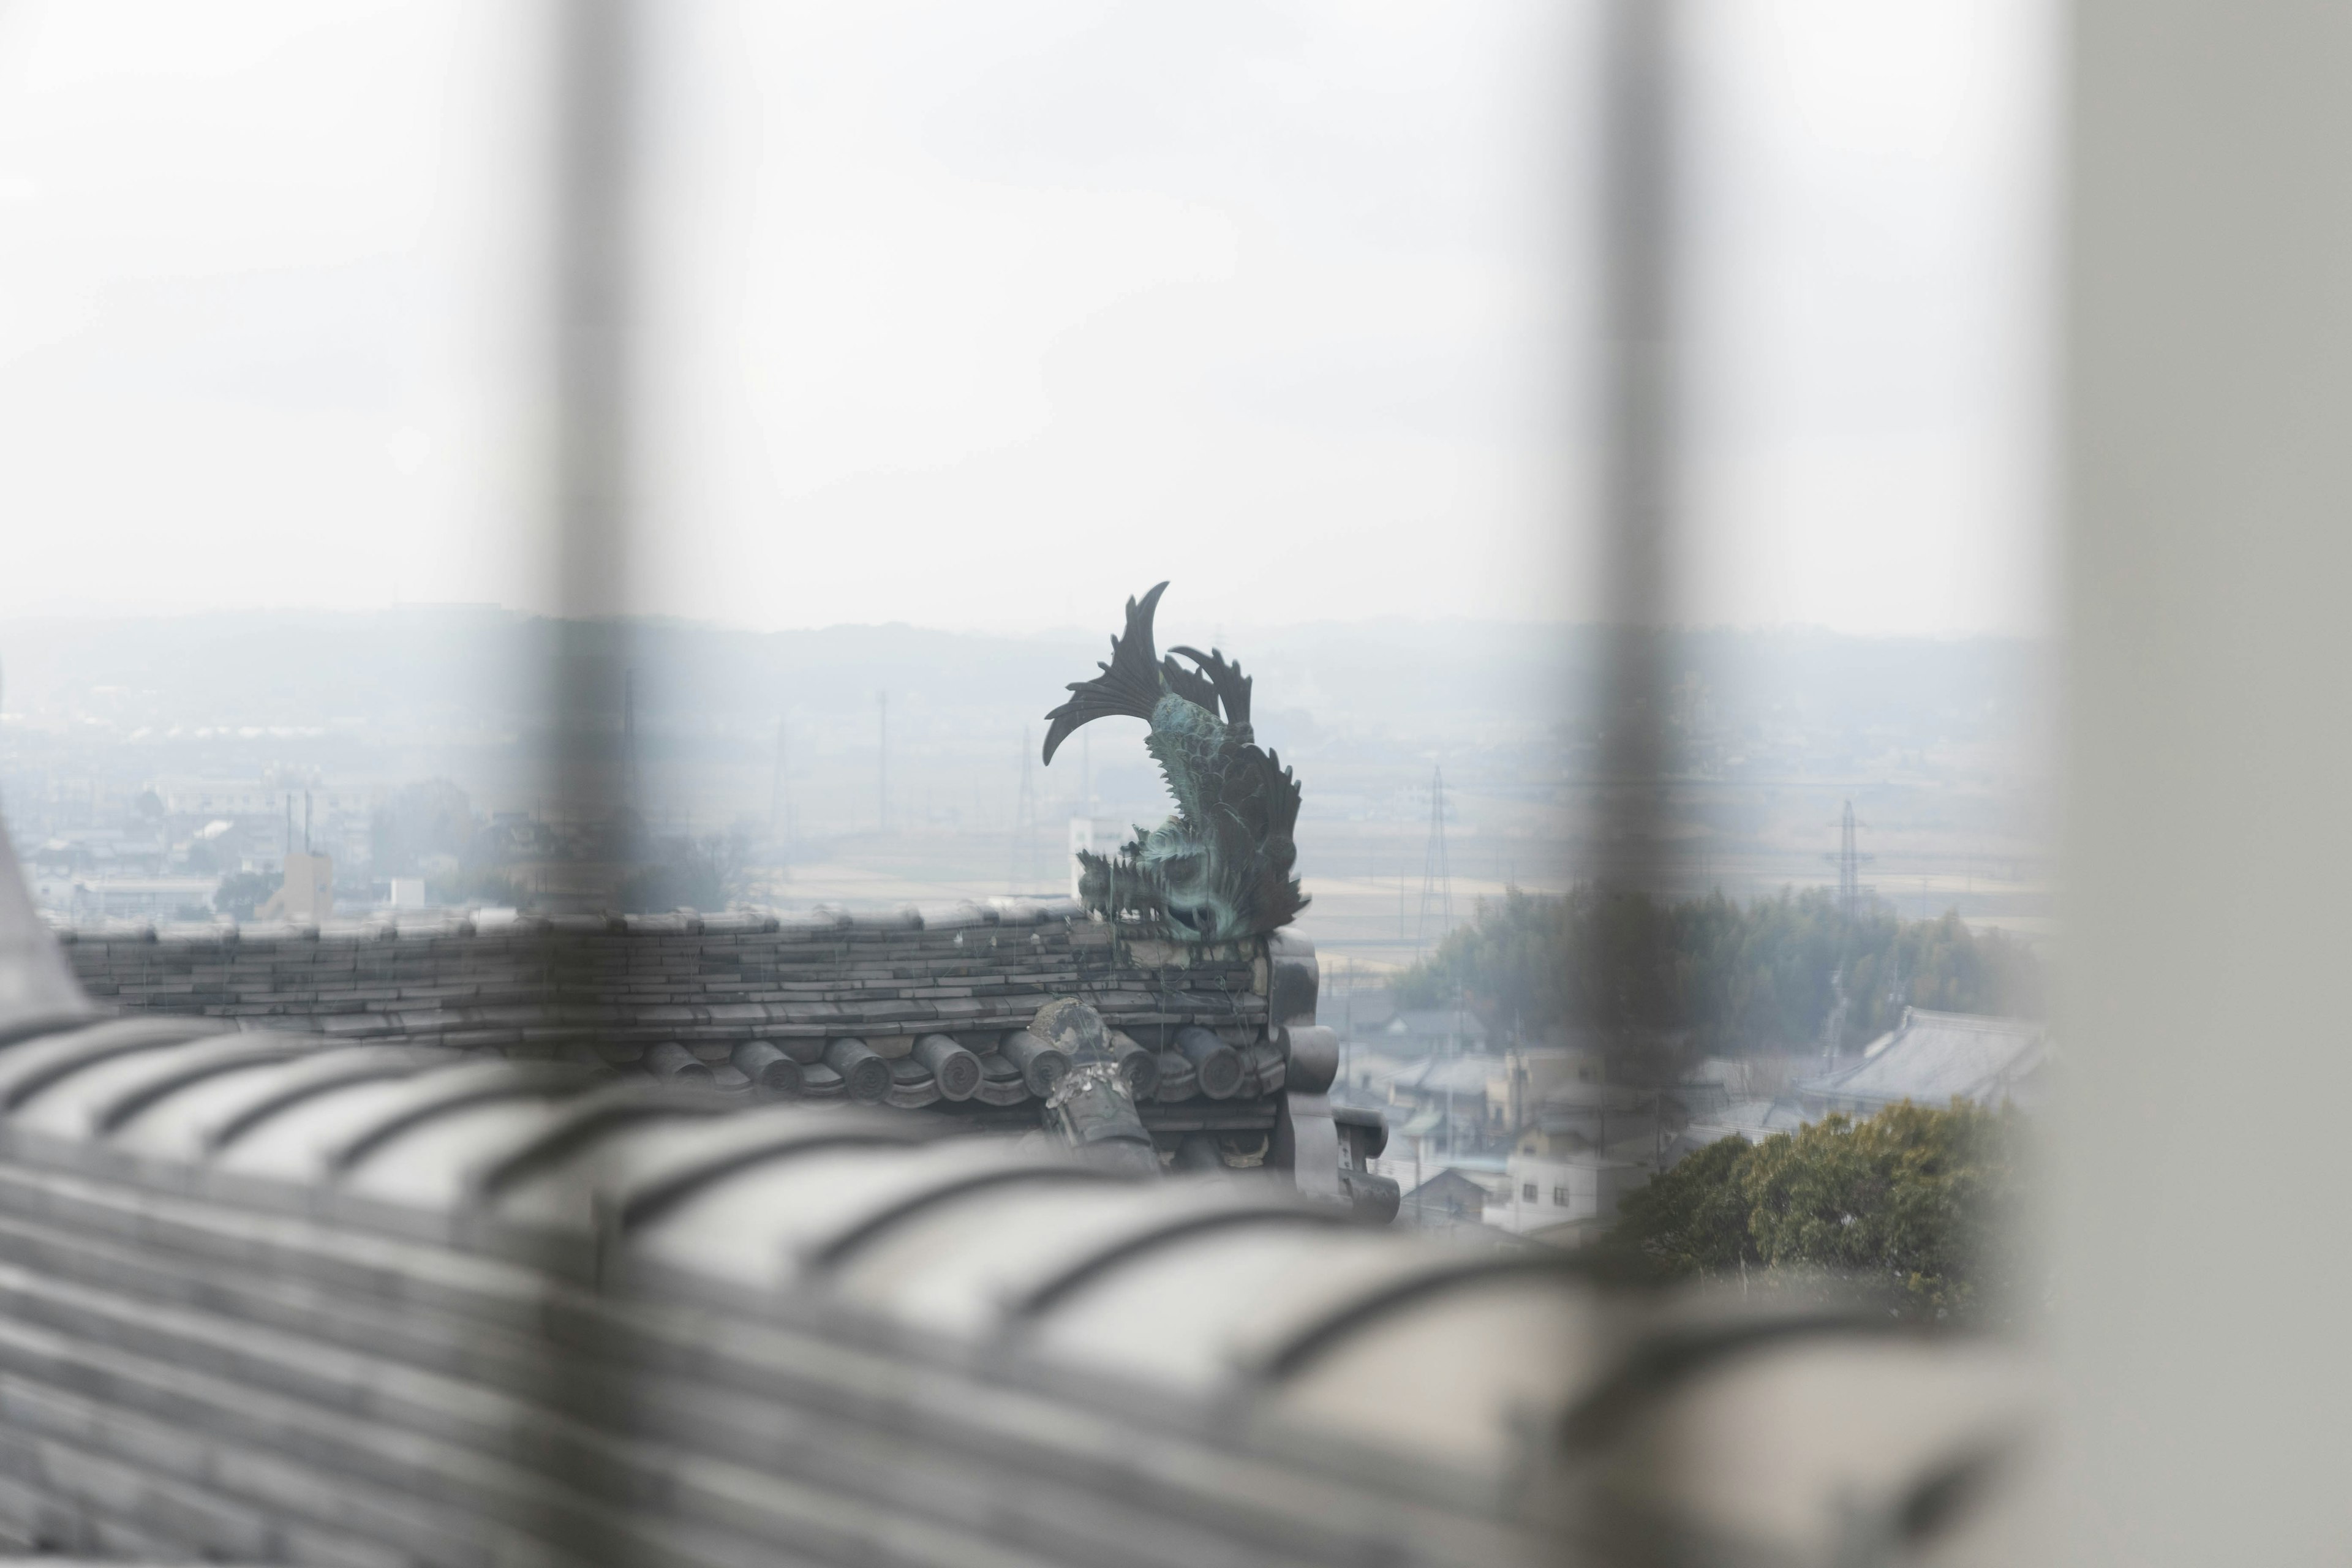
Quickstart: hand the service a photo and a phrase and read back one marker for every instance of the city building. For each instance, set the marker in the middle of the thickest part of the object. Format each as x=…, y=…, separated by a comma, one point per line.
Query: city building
x=1451, y=1197
x=1564, y=1199
x=131, y=897
x=1584, y=1118
x=308, y=893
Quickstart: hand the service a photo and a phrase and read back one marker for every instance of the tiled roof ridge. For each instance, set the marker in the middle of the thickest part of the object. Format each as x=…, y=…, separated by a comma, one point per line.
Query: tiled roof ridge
x=914, y=919
x=674, y=995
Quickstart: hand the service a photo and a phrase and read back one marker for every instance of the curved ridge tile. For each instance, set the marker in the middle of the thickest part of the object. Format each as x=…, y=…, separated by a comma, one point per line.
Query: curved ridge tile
x=772, y=1224
x=579, y=1123
x=424, y=1159
x=1318, y=1317
x=646, y=1174
x=970, y=1267
x=824, y=1248
x=200, y=1118
x=313, y=1140
x=1216, y=1209
x=1177, y=1315
x=27, y=1068
x=1454, y=1374
x=93, y=1101
x=450, y=1092
x=1779, y=1457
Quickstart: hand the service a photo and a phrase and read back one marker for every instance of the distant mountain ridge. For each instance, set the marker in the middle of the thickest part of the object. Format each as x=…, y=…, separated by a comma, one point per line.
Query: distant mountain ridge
x=1432, y=680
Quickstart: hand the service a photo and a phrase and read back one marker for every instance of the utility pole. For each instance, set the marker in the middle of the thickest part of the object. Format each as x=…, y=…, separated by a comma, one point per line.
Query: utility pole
x=882, y=760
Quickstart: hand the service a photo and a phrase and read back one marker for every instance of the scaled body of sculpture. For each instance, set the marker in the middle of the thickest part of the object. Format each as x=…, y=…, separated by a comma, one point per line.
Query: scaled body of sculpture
x=1218, y=871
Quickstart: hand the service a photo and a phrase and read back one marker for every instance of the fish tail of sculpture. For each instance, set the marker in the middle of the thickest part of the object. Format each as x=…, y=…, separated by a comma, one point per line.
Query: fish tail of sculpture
x=1285, y=902
x=1225, y=679
x=1283, y=899
x=1128, y=685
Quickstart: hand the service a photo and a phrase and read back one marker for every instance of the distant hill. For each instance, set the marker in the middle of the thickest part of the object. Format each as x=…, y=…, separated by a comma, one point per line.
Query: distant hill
x=1432, y=683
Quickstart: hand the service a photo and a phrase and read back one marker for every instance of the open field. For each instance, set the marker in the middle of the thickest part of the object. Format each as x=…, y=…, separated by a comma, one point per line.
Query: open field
x=1366, y=881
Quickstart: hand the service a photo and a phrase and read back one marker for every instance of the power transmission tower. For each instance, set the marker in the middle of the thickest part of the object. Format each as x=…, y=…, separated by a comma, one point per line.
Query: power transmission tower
x=882, y=760
x=1024, y=826
x=1852, y=894
x=1436, y=877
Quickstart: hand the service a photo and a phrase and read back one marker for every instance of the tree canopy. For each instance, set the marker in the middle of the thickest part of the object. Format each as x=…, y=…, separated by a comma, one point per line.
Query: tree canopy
x=1917, y=1207
x=242, y=893
x=1785, y=973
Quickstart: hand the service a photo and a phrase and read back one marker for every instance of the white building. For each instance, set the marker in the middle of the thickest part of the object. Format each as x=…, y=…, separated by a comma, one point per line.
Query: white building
x=1574, y=1196
x=307, y=894
x=133, y=897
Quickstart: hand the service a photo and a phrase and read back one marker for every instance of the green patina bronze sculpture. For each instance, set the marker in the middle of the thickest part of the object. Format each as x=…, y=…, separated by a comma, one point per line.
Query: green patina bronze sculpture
x=1218, y=871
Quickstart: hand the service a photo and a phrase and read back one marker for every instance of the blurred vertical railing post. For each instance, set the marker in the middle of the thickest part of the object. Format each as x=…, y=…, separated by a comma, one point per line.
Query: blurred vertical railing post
x=592, y=785
x=1637, y=424
x=594, y=263
x=1639, y=420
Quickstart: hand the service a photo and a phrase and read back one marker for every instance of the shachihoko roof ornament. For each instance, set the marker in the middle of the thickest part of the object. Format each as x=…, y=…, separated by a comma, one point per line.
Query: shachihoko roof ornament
x=1218, y=871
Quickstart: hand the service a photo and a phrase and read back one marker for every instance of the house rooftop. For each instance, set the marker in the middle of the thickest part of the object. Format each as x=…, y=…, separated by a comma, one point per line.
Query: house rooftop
x=1931, y=1058
x=1444, y=1075
x=1436, y=1024
x=1754, y=1119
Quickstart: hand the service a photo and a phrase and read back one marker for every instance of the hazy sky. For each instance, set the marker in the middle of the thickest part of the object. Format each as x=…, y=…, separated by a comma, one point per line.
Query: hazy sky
x=988, y=314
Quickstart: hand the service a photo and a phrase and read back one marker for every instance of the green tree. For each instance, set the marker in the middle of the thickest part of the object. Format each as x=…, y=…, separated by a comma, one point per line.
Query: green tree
x=1691, y=1222
x=242, y=893
x=693, y=873
x=1917, y=1207
x=1771, y=974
